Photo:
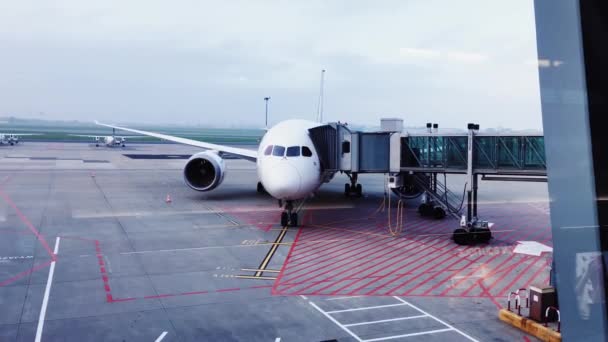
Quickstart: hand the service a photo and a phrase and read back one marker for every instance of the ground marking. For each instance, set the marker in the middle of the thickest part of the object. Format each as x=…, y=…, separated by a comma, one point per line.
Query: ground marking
x=341, y=298
x=408, y=335
x=160, y=338
x=47, y=291
x=437, y=319
x=278, y=339
x=368, y=308
x=385, y=320
x=336, y=322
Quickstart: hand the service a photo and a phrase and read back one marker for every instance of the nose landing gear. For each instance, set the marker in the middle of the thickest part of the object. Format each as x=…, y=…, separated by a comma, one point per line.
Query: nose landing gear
x=353, y=188
x=288, y=217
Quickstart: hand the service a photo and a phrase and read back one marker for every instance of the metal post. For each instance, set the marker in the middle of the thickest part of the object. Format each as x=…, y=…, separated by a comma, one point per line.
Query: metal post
x=470, y=176
x=266, y=99
x=475, y=195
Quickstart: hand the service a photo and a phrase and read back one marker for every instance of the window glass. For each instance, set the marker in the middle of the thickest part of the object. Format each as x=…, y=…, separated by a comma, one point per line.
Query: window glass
x=306, y=152
x=293, y=151
x=278, y=151
x=268, y=150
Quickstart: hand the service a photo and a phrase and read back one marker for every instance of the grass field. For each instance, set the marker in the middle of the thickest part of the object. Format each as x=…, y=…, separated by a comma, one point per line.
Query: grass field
x=65, y=132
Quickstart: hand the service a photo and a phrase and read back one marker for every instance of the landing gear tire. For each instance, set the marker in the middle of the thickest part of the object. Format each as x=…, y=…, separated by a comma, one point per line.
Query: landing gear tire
x=358, y=190
x=293, y=219
x=284, y=219
x=483, y=235
x=96, y=145
x=461, y=237
x=425, y=209
x=346, y=189
x=438, y=213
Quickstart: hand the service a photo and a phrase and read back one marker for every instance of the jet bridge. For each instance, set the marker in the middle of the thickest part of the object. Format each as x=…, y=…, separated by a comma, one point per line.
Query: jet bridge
x=415, y=163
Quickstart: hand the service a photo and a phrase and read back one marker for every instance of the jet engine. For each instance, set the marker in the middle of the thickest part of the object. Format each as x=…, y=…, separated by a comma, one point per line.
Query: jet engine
x=204, y=171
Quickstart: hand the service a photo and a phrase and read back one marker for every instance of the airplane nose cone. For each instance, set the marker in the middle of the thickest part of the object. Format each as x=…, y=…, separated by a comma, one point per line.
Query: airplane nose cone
x=283, y=182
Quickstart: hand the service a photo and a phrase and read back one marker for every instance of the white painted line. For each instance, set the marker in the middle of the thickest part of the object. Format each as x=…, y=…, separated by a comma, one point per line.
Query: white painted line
x=437, y=319
x=368, y=308
x=340, y=298
x=47, y=291
x=385, y=320
x=304, y=297
x=278, y=339
x=408, y=335
x=336, y=322
x=160, y=338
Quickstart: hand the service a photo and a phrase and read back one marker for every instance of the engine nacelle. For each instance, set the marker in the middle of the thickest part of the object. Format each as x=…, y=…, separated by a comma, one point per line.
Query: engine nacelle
x=204, y=171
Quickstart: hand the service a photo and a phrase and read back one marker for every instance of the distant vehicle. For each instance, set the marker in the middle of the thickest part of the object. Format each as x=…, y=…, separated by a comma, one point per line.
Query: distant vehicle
x=107, y=140
x=13, y=138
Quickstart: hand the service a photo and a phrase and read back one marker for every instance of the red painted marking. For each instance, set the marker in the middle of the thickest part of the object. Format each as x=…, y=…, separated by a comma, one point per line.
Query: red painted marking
x=376, y=244
x=193, y=293
x=437, y=273
x=228, y=290
x=123, y=299
x=25, y=273
x=379, y=248
x=159, y=296
x=367, y=268
x=527, y=339
x=259, y=287
x=437, y=242
x=521, y=273
x=495, y=271
x=484, y=291
x=468, y=275
x=282, y=271
x=449, y=250
x=29, y=224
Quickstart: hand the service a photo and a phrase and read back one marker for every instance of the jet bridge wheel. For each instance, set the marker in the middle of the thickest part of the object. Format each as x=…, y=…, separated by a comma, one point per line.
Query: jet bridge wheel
x=284, y=219
x=461, y=237
x=356, y=190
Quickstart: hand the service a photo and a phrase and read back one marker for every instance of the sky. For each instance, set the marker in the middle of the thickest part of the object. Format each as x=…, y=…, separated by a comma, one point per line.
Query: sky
x=211, y=63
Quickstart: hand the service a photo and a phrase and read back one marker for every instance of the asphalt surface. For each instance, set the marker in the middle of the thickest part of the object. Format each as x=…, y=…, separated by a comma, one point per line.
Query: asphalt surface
x=99, y=246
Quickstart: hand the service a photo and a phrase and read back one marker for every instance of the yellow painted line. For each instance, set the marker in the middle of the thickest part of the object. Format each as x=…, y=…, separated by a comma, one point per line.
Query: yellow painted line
x=272, y=250
x=257, y=270
x=255, y=277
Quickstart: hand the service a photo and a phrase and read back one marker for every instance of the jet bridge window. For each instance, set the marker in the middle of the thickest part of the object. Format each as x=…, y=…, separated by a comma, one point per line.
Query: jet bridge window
x=293, y=151
x=278, y=151
x=268, y=150
x=306, y=152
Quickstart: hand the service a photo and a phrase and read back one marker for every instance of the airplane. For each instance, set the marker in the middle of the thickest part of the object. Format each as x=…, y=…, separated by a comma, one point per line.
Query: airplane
x=288, y=166
x=108, y=140
x=13, y=138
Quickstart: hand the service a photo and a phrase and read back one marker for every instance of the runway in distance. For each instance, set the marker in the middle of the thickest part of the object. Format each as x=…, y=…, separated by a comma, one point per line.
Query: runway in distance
x=288, y=165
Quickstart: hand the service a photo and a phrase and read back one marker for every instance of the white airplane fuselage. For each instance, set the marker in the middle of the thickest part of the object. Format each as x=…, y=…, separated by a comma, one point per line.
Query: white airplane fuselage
x=290, y=169
x=111, y=141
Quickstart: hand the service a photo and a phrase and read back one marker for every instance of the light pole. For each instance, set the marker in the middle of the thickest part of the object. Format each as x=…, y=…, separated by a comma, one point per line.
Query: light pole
x=266, y=99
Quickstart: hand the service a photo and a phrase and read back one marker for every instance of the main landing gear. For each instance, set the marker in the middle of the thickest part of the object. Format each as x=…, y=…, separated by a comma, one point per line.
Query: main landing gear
x=354, y=188
x=288, y=217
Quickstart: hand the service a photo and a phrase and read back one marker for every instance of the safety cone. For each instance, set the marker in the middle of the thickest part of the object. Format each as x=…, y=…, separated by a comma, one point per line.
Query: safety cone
x=168, y=199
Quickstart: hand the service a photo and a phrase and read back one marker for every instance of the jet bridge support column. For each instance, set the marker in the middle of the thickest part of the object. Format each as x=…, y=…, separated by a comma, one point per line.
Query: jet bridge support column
x=472, y=230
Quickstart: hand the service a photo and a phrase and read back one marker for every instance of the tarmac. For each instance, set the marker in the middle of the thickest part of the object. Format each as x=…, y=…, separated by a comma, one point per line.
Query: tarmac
x=97, y=245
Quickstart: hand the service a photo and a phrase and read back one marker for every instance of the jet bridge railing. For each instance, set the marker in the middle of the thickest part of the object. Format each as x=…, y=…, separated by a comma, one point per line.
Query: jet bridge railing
x=492, y=154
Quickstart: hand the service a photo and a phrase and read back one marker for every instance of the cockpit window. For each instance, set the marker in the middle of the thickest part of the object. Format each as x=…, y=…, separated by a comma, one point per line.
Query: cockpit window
x=268, y=150
x=306, y=152
x=278, y=151
x=293, y=151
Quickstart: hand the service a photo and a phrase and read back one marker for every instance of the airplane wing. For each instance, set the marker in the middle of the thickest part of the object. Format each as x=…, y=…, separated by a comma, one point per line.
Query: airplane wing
x=242, y=153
